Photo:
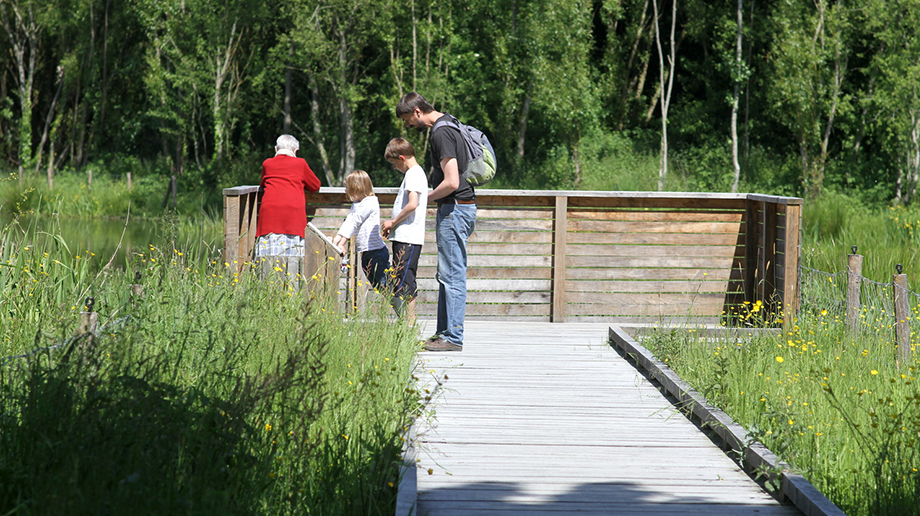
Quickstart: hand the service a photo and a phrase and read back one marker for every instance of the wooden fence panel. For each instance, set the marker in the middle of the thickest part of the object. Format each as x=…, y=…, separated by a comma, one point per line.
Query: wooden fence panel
x=587, y=256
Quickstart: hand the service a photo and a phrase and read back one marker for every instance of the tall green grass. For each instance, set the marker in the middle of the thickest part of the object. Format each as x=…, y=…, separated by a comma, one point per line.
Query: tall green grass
x=832, y=402
x=884, y=235
x=836, y=407
x=213, y=392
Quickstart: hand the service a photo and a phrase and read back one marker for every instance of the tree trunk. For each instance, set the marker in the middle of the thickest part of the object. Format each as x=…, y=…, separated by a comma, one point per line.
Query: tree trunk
x=22, y=33
x=525, y=110
x=318, y=129
x=736, y=97
x=666, y=90
x=222, y=69
x=288, y=73
x=48, y=119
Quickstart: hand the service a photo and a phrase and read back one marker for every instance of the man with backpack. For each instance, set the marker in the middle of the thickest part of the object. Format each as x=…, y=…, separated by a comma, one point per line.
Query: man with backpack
x=456, y=218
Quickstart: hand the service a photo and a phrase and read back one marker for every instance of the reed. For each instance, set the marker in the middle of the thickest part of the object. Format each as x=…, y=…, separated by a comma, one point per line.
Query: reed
x=204, y=391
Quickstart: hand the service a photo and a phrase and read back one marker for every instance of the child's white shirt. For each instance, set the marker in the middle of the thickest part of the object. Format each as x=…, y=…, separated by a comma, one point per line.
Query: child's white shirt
x=412, y=229
x=363, y=221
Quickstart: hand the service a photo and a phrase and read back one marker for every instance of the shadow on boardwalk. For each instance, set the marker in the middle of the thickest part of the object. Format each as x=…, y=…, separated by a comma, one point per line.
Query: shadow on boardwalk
x=513, y=498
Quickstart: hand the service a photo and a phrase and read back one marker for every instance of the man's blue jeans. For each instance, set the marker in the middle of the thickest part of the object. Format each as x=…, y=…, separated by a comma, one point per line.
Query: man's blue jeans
x=455, y=224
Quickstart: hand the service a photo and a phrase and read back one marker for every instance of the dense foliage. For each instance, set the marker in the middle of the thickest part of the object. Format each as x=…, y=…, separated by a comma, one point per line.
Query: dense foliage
x=201, y=391
x=803, y=96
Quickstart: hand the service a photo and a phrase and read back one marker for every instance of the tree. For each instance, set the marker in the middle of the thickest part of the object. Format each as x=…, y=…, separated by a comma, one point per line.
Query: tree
x=810, y=56
x=898, y=93
x=21, y=24
x=666, y=89
x=336, y=42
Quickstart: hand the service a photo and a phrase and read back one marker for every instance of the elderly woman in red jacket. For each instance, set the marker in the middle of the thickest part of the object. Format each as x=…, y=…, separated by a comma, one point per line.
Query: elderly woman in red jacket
x=282, y=214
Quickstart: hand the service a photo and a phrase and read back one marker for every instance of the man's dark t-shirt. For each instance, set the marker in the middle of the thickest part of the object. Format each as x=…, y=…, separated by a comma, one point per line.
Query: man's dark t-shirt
x=446, y=142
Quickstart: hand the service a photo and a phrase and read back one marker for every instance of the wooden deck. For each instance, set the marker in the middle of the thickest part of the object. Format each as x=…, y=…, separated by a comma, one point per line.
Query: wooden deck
x=542, y=418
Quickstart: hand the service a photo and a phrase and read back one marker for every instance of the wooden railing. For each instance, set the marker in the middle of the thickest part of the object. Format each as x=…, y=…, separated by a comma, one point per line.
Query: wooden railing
x=590, y=256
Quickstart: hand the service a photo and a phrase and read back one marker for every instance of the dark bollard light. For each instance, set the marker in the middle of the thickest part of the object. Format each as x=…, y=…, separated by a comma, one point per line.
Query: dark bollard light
x=89, y=318
x=137, y=288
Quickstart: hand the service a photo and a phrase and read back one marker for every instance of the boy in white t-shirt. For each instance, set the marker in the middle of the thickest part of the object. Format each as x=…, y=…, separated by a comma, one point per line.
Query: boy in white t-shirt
x=406, y=229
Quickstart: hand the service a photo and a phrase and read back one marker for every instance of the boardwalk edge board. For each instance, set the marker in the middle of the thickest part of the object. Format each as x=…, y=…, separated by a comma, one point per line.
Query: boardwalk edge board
x=407, y=490
x=792, y=486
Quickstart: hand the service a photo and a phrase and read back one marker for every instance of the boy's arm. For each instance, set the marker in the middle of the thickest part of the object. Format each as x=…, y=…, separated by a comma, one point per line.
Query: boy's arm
x=407, y=210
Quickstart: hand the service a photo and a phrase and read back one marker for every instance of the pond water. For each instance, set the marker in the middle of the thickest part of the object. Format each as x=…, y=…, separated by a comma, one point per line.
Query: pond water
x=101, y=236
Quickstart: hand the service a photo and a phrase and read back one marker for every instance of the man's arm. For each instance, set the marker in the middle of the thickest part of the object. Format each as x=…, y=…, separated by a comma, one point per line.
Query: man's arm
x=451, y=180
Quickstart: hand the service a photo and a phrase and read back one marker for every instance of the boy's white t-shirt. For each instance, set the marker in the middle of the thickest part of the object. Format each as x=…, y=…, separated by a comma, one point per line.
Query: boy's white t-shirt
x=412, y=230
x=363, y=221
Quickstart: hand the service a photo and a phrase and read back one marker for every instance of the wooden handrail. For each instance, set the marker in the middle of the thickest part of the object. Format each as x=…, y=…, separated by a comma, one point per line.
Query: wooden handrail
x=595, y=256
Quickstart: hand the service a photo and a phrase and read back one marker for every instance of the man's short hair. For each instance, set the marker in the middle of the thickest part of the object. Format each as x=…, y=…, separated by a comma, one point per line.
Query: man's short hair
x=286, y=141
x=410, y=101
x=398, y=147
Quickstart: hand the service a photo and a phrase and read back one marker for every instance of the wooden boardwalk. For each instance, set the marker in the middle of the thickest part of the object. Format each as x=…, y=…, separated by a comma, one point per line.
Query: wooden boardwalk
x=541, y=418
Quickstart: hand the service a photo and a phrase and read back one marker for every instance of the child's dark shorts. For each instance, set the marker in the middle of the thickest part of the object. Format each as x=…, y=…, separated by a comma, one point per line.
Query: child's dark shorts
x=374, y=264
x=405, y=263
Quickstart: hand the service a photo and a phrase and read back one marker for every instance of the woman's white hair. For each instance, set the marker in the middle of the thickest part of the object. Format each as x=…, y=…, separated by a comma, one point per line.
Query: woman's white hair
x=288, y=142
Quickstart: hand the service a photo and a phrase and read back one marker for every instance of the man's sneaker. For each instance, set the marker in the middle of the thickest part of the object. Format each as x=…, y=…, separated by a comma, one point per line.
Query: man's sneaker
x=440, y=344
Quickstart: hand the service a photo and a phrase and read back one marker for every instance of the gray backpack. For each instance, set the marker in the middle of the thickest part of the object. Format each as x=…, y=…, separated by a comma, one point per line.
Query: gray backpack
x=480, y=155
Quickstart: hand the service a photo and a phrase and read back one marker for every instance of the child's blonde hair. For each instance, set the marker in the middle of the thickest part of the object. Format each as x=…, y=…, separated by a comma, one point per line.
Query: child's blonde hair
x=358, y=186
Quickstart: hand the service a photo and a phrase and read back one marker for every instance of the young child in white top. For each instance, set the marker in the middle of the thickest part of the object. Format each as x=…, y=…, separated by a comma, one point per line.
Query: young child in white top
x=363, y=222
x=406, y=228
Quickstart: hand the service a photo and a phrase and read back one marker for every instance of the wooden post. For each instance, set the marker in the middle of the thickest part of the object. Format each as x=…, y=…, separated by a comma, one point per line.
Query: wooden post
x=751, y=254
x=137, y=288
x=129, y=181
x=560, y=224
x=791, y=259
x=231, y=227
x=88, y=320
x=89, y=180
x=768, y=260
x=902, y=315
x=854, y=285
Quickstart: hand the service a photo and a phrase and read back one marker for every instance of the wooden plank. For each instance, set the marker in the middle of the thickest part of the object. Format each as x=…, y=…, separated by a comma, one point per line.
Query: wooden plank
x=516, y=237
x=650, y=262
x=495, y=272
x=602, y=250
x=720, y=274
x=768, y=248
x=653, y=238
x=616, y=226
x=231, y=227
x=487, y=297
x=656, y=216
x=677, y=300
x=560, y=250
x=493, y=285
x=513, y=213
x=493, y=311
x=509, y=249
x=474, y=260
x=669, y=308
x=712, y=203
x=654, y=286
x=647, y=320
x=791, y=296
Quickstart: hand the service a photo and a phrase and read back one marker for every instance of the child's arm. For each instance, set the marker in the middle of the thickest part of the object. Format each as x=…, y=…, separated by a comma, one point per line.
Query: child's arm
x=351, y=224
x=407, y=210
x=340, y=241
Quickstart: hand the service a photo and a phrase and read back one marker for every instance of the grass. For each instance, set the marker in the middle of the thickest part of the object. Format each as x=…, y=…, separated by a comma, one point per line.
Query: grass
x=833, y=403
x=211, y=393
